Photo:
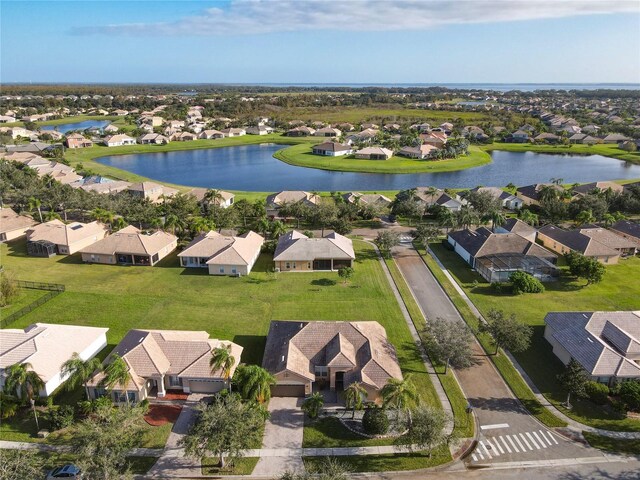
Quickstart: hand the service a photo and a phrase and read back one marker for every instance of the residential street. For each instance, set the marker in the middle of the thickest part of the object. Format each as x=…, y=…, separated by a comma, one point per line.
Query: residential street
x=507, y=432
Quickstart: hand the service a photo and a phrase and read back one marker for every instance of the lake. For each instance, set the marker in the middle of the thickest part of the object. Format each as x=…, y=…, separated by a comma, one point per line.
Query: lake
x=67, y=127
x=253, y=168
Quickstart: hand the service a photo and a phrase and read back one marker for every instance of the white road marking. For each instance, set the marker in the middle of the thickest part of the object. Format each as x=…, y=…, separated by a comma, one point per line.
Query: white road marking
x=480, y=454
x=524, y=439
x=512, y=444
x=543, y=435
x=519, y=443
x=485, y=450
x=498, y=446
x=505, y=444
x=496, y=450
x=553, y=438
x=475, y=459
x=538, y=438
x=496, y=425
x=532, y=440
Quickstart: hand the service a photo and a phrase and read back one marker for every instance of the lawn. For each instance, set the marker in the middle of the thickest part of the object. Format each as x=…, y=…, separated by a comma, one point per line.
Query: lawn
x=613, y=444
x=620, y=290
x=241, y=466
x=391, y=462
x=301, y=156
x=329, y=432
x=137, y=465
x=605, y=150
x=463, y=421
x=237, y=309
x=25, y=297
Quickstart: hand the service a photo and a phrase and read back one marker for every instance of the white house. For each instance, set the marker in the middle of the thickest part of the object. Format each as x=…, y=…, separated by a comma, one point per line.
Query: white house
x=119, y=140
x=46, y=347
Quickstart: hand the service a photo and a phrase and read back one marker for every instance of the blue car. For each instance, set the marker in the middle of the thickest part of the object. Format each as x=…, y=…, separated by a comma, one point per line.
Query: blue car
x=68, y=471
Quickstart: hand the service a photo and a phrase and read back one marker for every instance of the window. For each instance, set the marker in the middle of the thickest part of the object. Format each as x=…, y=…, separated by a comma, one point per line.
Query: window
x=234, y=270
x=221, y=269
x=99, y=392
x=287, y=265
x=322, y=371
x=155, y=258
x=174, y=381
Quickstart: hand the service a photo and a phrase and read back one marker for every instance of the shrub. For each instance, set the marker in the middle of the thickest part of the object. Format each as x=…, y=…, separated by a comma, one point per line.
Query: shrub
x=60, y=417
x=598, y=392
x=375, y=421
x=8, y=288
x=144, y=406
x=522, y=282
x=9, y=404
x=630, y=394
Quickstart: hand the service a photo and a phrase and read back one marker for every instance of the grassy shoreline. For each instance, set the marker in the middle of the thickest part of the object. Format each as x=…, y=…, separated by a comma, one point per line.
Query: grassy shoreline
x=611, y=151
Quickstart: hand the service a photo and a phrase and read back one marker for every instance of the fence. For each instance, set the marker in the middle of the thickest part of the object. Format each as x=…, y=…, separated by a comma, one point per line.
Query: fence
x=54, y=290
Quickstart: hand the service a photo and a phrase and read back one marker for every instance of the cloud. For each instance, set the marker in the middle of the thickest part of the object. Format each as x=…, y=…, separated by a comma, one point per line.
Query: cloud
x=251, y=17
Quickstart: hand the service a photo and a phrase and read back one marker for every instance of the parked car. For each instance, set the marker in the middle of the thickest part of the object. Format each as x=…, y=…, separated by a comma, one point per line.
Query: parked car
x=68, y=471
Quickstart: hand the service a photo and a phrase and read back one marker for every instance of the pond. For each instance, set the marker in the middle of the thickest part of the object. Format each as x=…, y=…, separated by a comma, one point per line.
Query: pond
x=253, y=168
x=67, y=127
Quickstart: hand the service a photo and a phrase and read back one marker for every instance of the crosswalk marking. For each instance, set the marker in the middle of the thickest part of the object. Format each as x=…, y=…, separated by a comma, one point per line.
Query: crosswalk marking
x=492, y=447
x=505, y=444
x=533, y=442
x=524, y=439
x=512, y=444
x=542, y=434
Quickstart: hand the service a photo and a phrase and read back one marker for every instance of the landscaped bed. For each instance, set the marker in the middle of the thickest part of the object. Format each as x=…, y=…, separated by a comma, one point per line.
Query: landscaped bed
x=159, y=414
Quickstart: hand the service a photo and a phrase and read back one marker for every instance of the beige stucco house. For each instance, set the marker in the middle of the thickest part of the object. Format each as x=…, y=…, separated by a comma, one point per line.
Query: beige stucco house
x=329, y=355
x=56, y=237
x=12, y=225
x=151, y=191
x=222, y=254
x=296, y=252
x=130, y=246
x=161, y=360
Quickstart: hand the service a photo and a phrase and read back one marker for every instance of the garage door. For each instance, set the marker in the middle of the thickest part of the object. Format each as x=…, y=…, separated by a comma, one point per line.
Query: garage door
x=201, y=386
x=296, y=390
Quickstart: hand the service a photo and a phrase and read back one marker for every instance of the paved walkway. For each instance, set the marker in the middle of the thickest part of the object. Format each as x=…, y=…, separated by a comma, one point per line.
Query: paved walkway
x=573, y=425
x=282, y=441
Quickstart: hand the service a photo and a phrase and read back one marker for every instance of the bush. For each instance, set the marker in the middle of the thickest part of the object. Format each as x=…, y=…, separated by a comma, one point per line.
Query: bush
x=61, y=417
x=375, y=421
x=598, y=393
x=144, y=406
x=9, y=404
x=522, y=282
x=8, y=288
x=630, y=394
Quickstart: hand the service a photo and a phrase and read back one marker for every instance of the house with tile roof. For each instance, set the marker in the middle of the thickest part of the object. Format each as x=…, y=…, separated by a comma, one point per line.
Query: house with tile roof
x=374, y=153
x=606, y=344
x=130, y=246
x=222, y=254
x=514, y=225
x=375, y=199
x=296, y=252
x=530, y=194
x=329, y=355
x=118, y=140
x=162, y=360
x=622, y=245
x=506, y=199
x=429, y=197
x=46, y=347
x=597, y=187
x=12, y=225
x=75, y=140
x=151, y=191
x=565, y=241
x=495, y=256
x=331, y=149
x=627, y=229
x=276, y=200
x=58, y=238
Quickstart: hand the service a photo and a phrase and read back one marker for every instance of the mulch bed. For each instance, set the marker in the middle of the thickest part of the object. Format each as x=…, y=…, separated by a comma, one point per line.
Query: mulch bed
x=173, y=395
x=162, y=414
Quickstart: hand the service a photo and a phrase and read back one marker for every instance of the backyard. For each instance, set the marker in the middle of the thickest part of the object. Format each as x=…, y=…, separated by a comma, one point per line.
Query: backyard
x=238, y=309
x=619, y=290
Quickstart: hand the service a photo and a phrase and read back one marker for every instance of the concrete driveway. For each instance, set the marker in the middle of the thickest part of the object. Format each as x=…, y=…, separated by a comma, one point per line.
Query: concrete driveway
x=282, y=431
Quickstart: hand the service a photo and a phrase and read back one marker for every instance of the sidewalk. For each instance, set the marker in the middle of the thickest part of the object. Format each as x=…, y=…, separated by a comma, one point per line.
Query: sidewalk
x=573, y=424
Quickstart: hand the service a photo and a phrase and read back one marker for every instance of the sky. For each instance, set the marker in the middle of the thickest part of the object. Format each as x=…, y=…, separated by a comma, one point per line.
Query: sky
x=321, y=41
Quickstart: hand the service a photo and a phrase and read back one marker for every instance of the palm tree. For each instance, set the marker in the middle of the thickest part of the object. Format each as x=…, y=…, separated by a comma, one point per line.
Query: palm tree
x=313, y=404
x=608, y=219
x=466, y=217
x=173, y=222
x=201, y=224
x=213, y=196
x=496, y=217
x=35, y=204
x=400, y=394
x=116, y=374
x=277, y=229
x=118, y=224
x=354, y=396
x=585, y=216
x=222, y=360
x=51, y=215
x=254, y=382
x=263, y=226
x=528, y=216
x=25, y=382
x=79, y=371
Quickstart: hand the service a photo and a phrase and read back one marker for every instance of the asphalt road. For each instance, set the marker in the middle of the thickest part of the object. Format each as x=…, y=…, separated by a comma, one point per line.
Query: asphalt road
x=507, y=432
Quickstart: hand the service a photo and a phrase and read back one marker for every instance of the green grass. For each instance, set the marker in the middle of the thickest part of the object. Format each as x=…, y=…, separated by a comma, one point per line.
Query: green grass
x=511, y=376
x=620, y=290
x=241, y=466
x=605, y=150
x=300, y=155
x=65, y=120
x=463, y=421
x=612, y=444
x=25, y=297
x=238, y=309
x=329, y=432
x=384, y=463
